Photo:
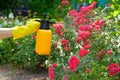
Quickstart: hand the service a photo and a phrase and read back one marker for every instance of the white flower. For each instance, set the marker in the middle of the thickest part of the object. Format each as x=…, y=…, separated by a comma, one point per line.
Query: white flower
x=119, y=17
x=11, y=16
x=46, y=62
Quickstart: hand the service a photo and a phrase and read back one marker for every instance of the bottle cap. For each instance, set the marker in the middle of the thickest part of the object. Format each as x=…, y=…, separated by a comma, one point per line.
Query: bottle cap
x=45, y=23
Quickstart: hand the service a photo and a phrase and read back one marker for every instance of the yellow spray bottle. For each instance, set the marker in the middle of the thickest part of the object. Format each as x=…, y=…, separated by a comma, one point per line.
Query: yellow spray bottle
x=43, y=37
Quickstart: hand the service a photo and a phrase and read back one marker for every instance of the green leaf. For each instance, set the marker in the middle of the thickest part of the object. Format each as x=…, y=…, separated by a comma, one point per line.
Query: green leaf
x=74, y=76
x=1, y=41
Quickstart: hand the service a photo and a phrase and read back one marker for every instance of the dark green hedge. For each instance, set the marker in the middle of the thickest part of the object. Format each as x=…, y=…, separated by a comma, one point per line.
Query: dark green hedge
x=6, y=4
x=39, y=6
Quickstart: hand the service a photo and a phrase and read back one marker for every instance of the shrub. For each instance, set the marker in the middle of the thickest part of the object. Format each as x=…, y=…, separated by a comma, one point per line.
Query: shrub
x=20, y=52
x=85, y=45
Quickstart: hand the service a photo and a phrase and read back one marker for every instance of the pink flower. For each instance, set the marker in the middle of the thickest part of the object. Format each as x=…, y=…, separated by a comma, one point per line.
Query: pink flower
x=92, y=5
x=66, y=48
x=73, y=62
x=58, y=28
x=113, y=69
x=64, y=42
x=65, y=2
x=98, y=24
x=100, y=54
x=86, y=46
x=78, y=39
x=51, y=71
x=109, y=51
x=101, y=22
x=87, y=9
x=85, y=28
x=82, y=52
x=72, y=24
x=88, y=70
x=97, y=27
x=84, y=34
x=83, y=9
x=33, y=36
x=72, y=13
x=54, y=65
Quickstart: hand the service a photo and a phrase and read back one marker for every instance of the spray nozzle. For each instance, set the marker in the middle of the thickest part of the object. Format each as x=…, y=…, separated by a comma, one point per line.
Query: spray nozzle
x=45, y=15
x=44, y=22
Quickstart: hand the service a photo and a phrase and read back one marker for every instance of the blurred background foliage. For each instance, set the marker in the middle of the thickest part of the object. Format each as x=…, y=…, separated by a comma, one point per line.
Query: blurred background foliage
x=51, y=6
x=39, y=6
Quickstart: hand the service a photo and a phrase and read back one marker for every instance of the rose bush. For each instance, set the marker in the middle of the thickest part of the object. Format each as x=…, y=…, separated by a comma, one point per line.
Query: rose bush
x=86, y=46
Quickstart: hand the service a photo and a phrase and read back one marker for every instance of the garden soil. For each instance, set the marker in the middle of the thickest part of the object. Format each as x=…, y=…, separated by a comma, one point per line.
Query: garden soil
x=7, y=72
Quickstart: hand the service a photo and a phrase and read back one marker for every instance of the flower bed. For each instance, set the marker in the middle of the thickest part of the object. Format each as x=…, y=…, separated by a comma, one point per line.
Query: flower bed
x=85, y=46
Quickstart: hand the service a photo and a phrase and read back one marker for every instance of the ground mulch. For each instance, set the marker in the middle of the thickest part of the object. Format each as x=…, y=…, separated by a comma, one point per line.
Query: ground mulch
x=7, y=72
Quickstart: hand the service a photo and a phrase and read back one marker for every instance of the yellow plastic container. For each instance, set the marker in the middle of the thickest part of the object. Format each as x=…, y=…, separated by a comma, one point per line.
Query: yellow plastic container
x=43, y=42
x=44, y=37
